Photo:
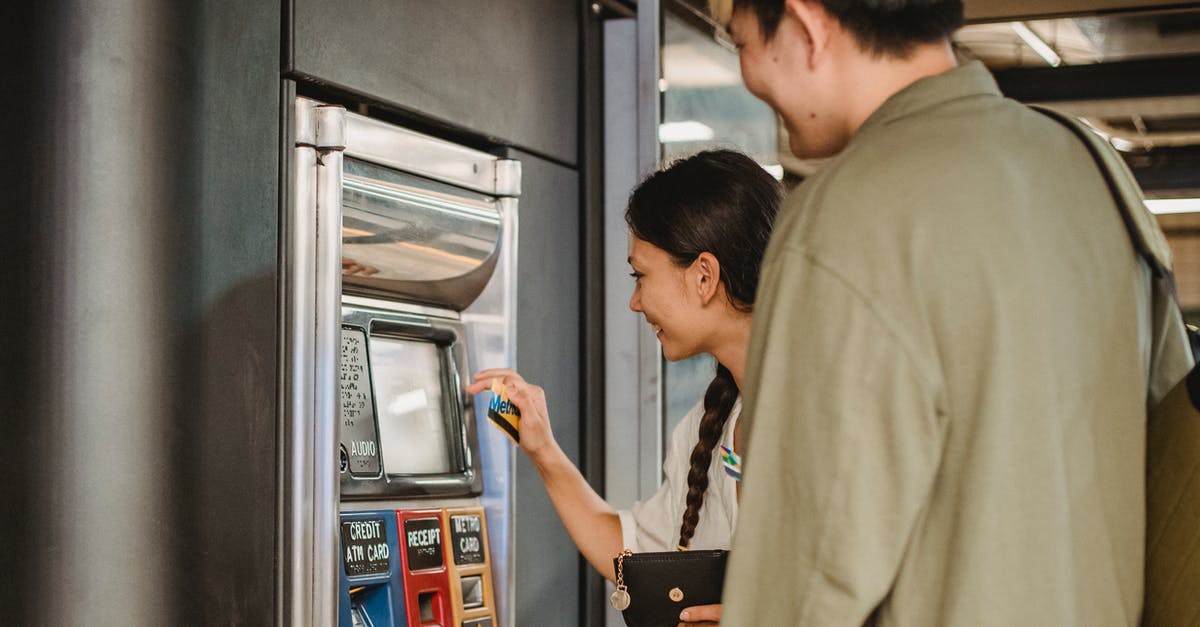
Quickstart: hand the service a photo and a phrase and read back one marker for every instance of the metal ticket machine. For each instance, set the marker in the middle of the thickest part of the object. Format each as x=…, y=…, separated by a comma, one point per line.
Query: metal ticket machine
x=427, y=288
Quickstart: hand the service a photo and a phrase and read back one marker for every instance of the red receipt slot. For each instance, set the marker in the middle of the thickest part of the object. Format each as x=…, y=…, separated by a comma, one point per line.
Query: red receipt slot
x=470, y=567
x=423, y=567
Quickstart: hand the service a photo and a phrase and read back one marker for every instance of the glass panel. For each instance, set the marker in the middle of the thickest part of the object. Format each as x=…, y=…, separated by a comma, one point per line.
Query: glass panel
x=704, y=102
x=409, y=396
x=705, y=105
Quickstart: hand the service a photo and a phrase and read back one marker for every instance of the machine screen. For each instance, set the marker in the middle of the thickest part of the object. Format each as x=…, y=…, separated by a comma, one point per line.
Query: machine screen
x=409, y=400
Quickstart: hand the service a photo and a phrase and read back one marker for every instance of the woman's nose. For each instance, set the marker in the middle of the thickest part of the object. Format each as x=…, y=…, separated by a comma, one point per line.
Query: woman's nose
x=635, y=301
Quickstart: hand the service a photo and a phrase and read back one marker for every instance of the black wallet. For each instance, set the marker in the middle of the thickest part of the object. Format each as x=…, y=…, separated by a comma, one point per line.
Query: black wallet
x=655, y=587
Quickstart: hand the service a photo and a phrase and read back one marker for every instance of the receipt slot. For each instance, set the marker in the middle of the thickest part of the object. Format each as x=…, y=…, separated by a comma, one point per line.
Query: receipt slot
x=371, y=586
x=470, y=571
x=426, y=579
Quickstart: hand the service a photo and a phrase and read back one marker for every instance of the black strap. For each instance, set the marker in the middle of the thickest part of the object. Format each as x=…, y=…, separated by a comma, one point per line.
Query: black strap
x=1135, y=235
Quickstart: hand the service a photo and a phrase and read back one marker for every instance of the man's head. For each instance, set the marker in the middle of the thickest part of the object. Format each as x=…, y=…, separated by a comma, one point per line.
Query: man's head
x=824, y=65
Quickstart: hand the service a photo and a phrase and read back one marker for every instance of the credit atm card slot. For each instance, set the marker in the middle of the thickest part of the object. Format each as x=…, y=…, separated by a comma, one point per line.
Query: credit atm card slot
x=472, y=592
x=358, y=617
x=486, y=621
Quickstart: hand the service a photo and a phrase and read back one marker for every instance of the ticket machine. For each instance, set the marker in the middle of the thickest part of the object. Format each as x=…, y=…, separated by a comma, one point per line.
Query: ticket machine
x=427, y=247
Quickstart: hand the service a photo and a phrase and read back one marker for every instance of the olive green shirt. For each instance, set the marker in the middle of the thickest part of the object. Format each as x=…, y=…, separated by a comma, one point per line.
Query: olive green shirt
x=947, y=381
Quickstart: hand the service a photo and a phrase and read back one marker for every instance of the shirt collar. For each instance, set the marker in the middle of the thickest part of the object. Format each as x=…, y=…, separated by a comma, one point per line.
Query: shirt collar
x=969, y=79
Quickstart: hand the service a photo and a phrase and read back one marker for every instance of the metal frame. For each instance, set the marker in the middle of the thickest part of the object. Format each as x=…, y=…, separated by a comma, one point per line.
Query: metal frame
x=492, y=314
x=412, y=152
x=633, y=368
x=447, y=335
x=311, y=331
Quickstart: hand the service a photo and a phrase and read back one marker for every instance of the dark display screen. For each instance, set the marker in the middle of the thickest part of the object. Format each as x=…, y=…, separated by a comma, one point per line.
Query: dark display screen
x=413, y=434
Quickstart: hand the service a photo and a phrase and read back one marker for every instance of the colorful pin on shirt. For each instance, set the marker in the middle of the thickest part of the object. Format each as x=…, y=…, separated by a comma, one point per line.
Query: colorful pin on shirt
x=731, y=462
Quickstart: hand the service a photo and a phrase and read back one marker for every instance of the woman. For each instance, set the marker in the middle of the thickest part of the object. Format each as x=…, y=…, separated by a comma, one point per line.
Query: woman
x=698, y=231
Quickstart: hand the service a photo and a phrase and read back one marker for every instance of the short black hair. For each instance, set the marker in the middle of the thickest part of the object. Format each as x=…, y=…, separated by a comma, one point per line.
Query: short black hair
x=882, y=27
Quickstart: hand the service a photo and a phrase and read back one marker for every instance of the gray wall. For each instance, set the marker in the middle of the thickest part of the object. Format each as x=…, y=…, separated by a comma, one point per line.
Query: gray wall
x=506, y=69
x=143, y=437
x=548, y=353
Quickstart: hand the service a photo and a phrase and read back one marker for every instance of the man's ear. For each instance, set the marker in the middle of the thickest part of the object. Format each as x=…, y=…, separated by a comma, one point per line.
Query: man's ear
x=706, y=276
x=816, y=25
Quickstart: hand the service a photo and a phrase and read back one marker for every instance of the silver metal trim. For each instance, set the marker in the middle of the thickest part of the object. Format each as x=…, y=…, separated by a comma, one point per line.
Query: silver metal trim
x=649, y=155
x=632, y=379
x=328, y=328
x=306, y=122
x=392, y=306
x=506, y=607
x=300, y=301
x=348, y=507
x=508, y=177
x=632, y=360
x=409, y=151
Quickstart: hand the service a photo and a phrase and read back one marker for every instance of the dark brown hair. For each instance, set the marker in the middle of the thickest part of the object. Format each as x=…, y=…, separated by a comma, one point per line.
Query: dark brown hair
x=723, y=203
x=882, y=27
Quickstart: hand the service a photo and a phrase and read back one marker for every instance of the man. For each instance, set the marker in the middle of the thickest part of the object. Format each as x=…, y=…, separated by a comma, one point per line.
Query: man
x=947, y=383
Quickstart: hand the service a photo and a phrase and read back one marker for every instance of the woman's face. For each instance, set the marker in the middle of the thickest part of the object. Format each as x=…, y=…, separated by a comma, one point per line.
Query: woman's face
x=662, y=294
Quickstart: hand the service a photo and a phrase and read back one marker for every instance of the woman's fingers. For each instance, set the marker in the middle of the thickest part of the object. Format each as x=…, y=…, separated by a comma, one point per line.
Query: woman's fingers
x=701, y=615
x=498, y=373
x=483, y=379
x=479, y=386
x=525, y=396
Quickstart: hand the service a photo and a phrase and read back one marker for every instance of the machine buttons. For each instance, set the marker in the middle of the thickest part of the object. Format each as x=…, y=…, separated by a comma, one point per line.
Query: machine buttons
x=365, y=548
x=423, y=541
x=472, y=592
x=466, y=537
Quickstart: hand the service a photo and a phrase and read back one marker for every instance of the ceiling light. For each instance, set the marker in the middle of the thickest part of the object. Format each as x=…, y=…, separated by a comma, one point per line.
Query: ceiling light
x=1037, y=43
x=689, y=131
x=1173, y=205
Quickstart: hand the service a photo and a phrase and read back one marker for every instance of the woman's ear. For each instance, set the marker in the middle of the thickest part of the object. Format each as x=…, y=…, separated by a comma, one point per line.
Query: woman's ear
x=707, y=276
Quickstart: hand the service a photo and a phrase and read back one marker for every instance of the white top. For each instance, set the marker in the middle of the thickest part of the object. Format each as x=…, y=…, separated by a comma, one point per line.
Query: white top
x=653, y=524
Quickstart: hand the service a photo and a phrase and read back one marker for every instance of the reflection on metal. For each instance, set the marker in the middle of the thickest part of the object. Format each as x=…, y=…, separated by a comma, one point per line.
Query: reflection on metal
x=402, y=238
x=398, y=148
x=364, y=303
x=491, y=323
x=508, y=177
x=308, y=547
x=330, y=143
x=295, y=551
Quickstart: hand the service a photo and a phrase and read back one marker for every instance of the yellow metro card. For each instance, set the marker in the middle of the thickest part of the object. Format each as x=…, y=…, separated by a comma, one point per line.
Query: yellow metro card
x=503, y=413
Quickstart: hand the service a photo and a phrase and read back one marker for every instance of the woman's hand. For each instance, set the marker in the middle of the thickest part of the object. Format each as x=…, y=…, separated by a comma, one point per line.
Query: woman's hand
x=704, y=615
x=537, y=439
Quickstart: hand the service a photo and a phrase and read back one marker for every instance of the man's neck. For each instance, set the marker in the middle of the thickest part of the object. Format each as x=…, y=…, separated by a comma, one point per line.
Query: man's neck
x=870, y=81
